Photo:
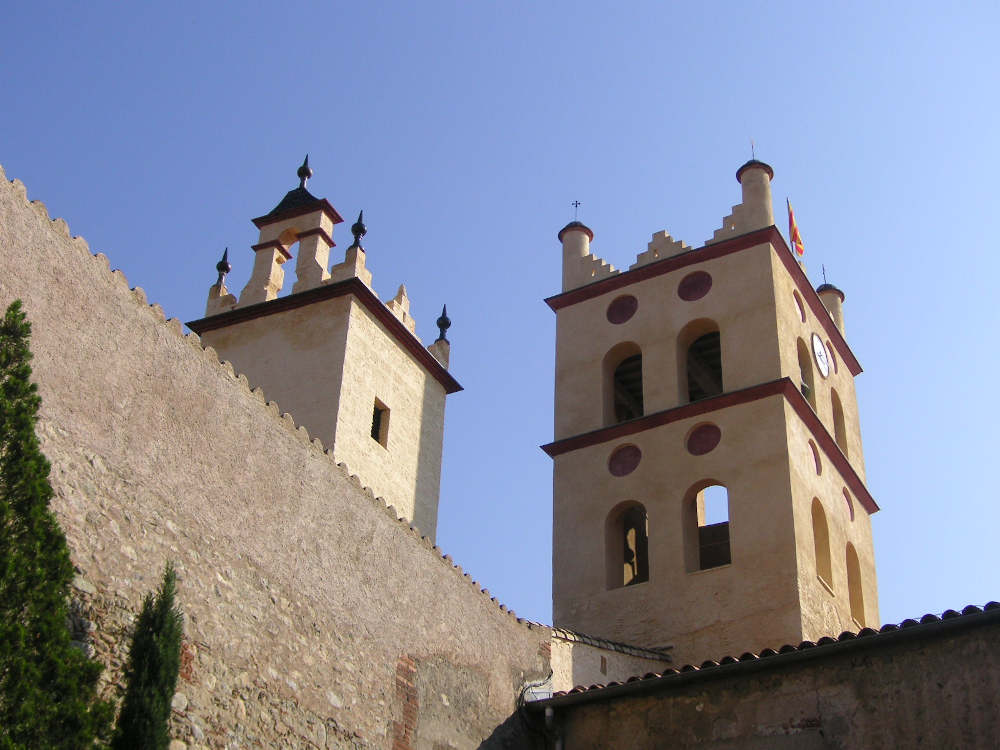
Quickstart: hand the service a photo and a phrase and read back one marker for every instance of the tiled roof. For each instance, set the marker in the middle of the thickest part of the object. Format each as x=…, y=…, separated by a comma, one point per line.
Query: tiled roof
x=293, y=200
x=968, y=617
x=661, y=654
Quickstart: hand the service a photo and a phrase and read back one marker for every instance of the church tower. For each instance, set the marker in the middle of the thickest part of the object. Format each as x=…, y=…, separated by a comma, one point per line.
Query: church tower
x=347, y=366
x=708, y=479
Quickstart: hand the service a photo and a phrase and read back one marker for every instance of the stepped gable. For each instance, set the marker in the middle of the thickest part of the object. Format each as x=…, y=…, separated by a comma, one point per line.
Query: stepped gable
x=662, y=245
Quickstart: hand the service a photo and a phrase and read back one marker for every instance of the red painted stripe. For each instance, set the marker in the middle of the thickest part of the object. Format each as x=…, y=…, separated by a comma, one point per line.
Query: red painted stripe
x=783, y=386
x=328, y=291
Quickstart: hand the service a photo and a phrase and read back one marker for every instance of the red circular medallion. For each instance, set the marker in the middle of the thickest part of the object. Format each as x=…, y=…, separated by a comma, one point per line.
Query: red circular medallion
x=622, y=308
x=624, y=459
x=703, y=439
x=694, y=286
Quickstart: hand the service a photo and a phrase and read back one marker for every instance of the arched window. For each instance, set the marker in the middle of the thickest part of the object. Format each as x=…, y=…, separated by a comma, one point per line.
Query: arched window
x=839, y=429
x=699, y=349
x=854, y=586
x=623, y=383
x=706, y=526
x=821, y=544
x=627, y=545
x=806, y=373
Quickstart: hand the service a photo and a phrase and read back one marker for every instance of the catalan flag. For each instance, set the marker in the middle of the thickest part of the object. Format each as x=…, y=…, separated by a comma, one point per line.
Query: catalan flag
x=793, y=231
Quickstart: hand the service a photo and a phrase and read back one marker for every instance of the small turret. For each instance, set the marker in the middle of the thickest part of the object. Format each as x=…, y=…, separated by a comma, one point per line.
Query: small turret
x=755, y=178
x=219, y=298
x=755, y=211
x=575, y=238
x=833, y=300
x=441, y=348
x=354, y=259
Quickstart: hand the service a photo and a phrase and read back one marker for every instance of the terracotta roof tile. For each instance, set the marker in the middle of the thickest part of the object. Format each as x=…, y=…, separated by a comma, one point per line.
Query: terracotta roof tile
x=968, y=613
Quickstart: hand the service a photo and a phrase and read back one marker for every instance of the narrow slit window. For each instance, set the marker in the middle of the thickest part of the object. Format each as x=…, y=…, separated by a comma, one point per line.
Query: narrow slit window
x=380, y=423
x=806, y=373
x=857, y=598
x=839, y=426
x=821, y=544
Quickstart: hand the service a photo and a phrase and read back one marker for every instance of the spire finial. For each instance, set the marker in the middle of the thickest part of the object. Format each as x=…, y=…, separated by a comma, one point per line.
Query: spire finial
x=824, y=273
x=359, y=230
x=443, y=324
x=304, y=172
x=223, y=267
x=753, y=149
x=576, y=209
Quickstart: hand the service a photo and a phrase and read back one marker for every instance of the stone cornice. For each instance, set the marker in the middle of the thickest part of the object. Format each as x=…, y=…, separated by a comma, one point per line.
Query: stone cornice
x=769, y=235
x=352, y=286
x=782, y=386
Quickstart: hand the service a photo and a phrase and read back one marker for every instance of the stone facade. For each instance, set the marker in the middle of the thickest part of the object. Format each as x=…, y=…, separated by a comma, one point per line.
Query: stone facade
x=314, y=616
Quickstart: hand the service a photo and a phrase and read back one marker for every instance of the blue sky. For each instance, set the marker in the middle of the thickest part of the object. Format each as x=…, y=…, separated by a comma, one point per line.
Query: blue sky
x=465, y=130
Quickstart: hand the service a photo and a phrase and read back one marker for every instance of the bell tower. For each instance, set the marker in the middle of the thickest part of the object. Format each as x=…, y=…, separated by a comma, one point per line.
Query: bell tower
x=341, y=362
x=708, y=479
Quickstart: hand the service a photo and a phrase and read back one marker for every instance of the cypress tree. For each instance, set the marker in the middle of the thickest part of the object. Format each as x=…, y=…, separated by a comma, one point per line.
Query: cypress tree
x=151, y=676
x=47, y=685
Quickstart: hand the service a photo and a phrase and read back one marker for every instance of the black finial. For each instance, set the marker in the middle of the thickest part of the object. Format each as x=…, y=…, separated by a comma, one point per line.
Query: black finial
x=304, y=172
x=223, y=267
x=576, y=209
x=443, y=324
x=359, y=230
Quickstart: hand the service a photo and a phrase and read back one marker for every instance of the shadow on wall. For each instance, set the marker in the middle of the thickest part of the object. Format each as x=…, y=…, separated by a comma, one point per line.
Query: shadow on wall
x=520, y=730
x=428, y=481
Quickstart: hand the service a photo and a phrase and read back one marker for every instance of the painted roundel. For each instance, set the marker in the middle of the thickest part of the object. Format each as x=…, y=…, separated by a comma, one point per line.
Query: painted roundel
x=624, y=460
x=694, y=286
x=622, y=308
x=703, y=439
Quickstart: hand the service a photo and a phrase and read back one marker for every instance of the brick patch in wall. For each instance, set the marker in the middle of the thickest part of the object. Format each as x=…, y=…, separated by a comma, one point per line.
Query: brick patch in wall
x=406, y=693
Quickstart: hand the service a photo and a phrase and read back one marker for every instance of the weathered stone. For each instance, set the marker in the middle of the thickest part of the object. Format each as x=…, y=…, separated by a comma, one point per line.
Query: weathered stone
x=179, y=702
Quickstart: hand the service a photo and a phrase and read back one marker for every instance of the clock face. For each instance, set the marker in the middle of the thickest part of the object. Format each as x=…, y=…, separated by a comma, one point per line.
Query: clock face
x=822, y=358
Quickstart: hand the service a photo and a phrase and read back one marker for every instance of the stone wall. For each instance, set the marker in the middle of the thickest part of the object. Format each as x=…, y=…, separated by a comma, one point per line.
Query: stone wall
x=314, y=617
x=932, y=685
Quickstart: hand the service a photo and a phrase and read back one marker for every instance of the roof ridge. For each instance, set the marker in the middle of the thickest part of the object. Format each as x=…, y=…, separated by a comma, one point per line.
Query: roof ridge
x=927, y=622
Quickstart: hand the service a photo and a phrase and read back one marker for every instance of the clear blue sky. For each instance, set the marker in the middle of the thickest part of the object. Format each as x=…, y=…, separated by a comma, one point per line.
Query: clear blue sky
x=465, y=129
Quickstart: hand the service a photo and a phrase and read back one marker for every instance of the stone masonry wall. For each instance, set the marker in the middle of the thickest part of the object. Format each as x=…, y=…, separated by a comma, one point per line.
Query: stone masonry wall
x=314, y=617
x=931, y=686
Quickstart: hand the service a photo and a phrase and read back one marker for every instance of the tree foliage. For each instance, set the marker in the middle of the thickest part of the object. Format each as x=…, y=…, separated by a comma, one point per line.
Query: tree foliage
x=151, y=676
x=47, y=685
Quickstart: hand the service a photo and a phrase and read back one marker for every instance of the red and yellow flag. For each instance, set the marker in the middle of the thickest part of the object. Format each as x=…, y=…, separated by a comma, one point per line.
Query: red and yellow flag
x=793, y=231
